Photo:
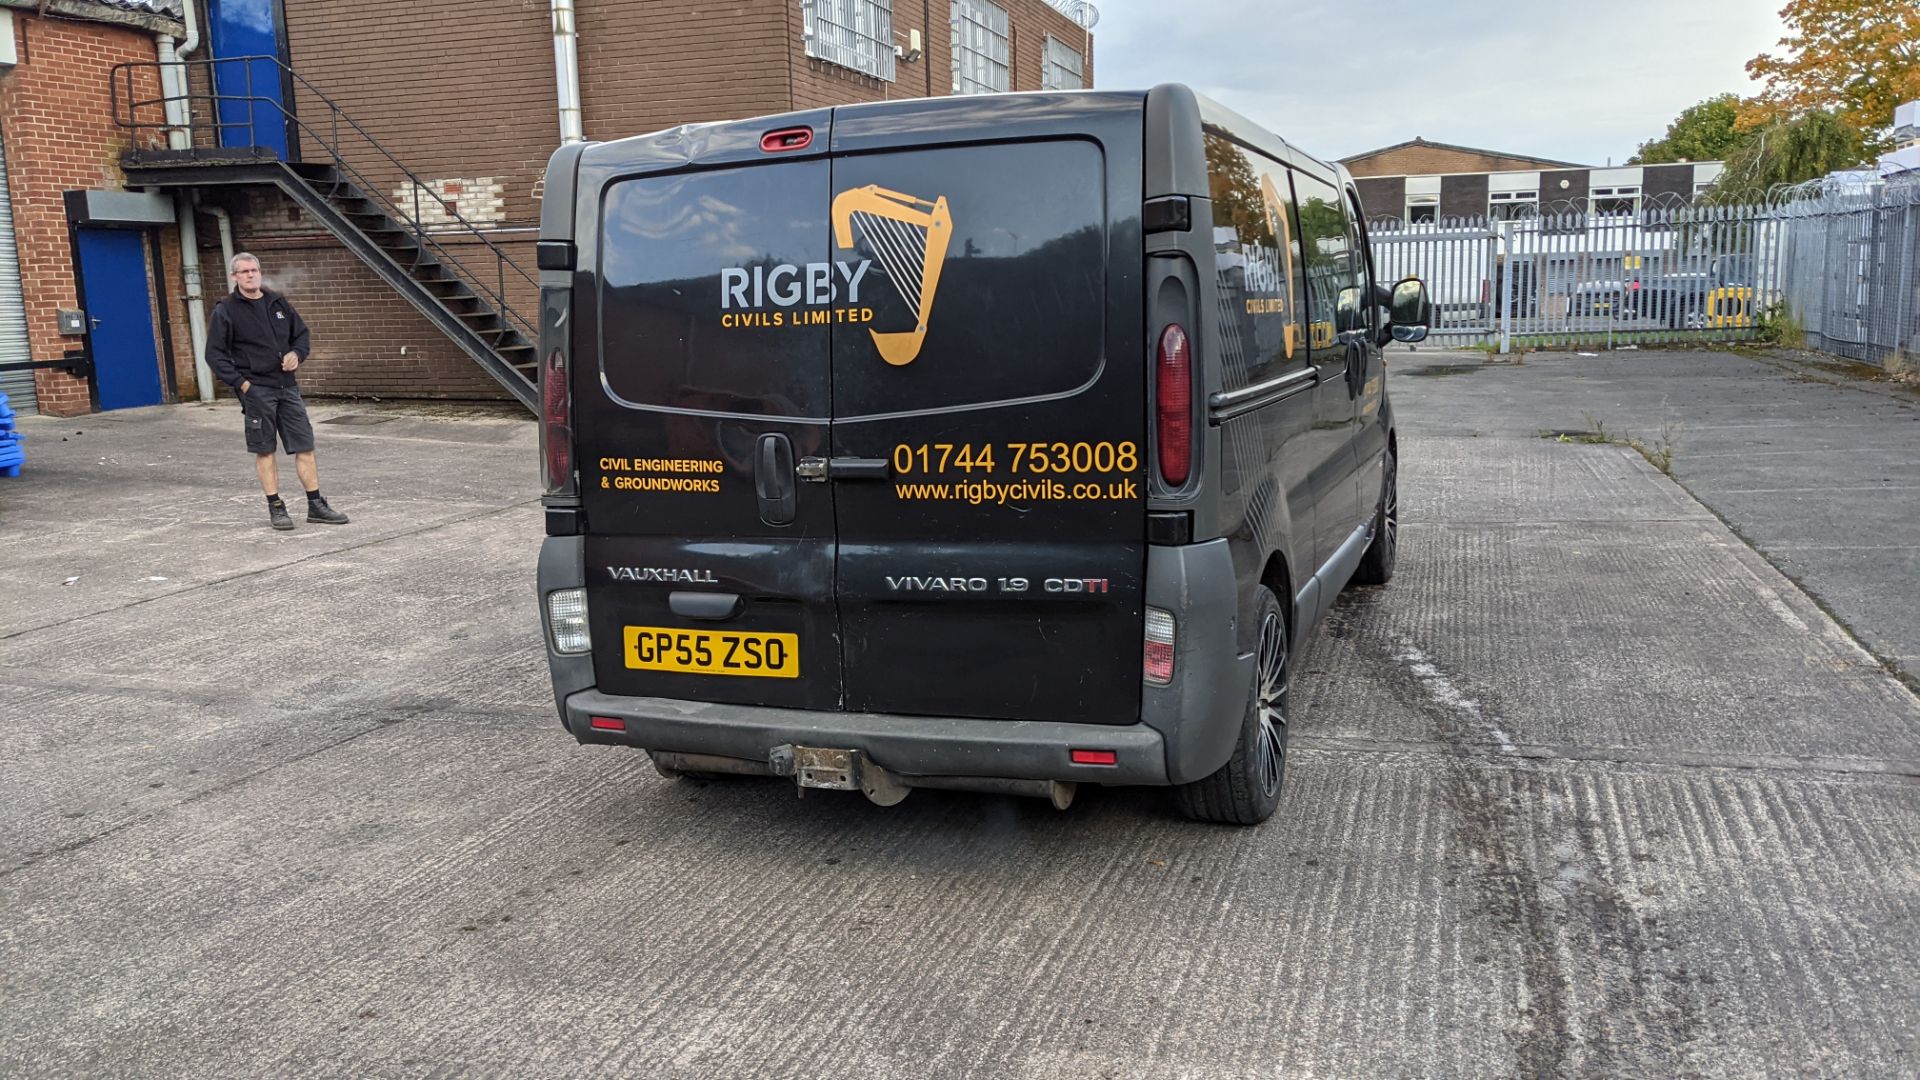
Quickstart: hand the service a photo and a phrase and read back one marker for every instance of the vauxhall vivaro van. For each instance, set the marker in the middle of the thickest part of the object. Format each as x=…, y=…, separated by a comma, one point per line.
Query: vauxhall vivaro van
x=1001, y=443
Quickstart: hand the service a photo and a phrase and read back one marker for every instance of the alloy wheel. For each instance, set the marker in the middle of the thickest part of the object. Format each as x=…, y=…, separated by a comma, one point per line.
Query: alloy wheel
x=1272, y=702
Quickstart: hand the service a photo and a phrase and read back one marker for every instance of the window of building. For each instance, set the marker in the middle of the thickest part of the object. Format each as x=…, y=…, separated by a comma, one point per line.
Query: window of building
x=982, y=50
x=855, y=34
x=1513, y=205
x=1062, y=68
x=1615, y=201
x=1423, y=209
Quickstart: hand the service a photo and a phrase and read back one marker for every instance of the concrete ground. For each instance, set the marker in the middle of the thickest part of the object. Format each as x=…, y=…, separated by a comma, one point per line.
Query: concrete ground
x=1589, y=789
x=1813, y=462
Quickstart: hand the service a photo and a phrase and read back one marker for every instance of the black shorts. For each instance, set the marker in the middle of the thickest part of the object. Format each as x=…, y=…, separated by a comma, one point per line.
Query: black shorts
x=276, y=409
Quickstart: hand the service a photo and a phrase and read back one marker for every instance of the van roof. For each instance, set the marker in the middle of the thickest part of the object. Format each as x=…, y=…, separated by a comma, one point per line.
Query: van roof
x=1212, y=114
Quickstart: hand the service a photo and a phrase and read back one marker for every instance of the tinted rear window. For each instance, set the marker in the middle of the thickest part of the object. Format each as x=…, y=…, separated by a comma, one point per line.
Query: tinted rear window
x=683, y=260
x=1014, y=295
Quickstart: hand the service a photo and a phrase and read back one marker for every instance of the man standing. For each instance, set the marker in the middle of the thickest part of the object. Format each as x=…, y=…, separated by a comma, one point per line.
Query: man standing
x=255, y=340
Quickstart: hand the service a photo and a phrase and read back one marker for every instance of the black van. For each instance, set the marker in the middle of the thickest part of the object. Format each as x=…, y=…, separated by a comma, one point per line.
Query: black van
x=1000, y=443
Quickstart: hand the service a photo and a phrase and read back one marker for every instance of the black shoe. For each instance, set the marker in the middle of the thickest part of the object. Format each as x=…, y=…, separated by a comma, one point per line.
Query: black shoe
x=280, y=518
x=318, y=510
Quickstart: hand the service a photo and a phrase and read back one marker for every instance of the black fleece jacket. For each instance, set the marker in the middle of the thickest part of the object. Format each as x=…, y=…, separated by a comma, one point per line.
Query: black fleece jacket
x=246, y=339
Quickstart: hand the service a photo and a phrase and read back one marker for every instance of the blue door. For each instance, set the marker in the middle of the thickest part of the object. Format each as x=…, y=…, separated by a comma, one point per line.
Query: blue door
x=113, y=275
x=252, y=100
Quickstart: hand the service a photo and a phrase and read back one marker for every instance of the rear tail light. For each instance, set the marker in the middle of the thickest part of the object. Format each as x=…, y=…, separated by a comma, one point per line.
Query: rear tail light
x=1094, y=757
x=1157, y=664
x=567, y=621
x=607, y=723
x=556, y=426
x=1173, y=406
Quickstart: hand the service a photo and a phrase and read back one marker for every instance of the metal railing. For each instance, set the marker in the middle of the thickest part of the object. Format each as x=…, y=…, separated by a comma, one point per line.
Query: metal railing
x=1585, y=279
x=1852, y=258
x=342, y=139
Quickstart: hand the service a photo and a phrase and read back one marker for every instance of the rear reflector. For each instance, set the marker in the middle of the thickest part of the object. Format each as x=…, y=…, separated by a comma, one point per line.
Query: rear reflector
x=567, y=620
x=608, y=723
x=1094, y=757
x=787, y=139
x=1157, y=664
x=1173, y=406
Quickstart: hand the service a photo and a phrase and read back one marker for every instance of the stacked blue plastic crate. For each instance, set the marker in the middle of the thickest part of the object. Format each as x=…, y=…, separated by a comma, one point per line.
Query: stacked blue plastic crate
x=11, y=456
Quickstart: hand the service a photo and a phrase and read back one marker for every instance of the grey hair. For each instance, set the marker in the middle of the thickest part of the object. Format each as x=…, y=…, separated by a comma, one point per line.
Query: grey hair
x=233, y=264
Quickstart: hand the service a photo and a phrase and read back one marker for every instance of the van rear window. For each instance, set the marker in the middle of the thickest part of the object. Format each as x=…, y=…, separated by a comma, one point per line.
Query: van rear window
x=701, y=277
x=985, y=275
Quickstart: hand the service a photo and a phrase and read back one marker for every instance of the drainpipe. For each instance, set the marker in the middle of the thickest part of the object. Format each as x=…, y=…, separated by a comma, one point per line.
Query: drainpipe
x=226, y=232
x=566, y=71
x=174, y=87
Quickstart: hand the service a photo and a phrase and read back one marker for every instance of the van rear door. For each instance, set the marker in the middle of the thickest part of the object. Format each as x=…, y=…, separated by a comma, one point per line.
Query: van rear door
x=988, y=446
x=709, y=567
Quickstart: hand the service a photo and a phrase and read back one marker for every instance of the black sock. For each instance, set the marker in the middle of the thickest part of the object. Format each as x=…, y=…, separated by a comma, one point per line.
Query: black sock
x=313, y=496
x=273, y=501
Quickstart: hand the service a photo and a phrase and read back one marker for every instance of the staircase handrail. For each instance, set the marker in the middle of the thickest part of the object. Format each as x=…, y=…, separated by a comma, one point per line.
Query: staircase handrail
x=333, y=147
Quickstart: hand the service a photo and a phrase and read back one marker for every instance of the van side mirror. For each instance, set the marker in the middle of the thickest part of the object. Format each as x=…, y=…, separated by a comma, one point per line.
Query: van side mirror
x=1409, y=305
x=1409, y=311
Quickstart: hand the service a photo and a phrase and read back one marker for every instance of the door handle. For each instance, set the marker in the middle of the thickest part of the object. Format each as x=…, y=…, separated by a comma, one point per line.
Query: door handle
x=819, y=470
x=711, y=606
x=773, y=478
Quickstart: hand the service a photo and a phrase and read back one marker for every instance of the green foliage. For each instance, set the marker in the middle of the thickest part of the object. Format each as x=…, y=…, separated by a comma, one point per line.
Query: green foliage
x=1777, y=326
x=1704, y=131
x=1787, y=152
x=1854, y=58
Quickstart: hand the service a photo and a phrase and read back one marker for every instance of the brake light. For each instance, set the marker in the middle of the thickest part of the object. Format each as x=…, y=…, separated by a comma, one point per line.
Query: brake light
x=1173, y=406
x=786, y=139
x=556, y=428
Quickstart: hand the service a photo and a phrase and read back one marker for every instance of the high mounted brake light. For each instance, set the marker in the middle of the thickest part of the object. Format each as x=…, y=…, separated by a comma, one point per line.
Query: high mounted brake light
x=798, y=138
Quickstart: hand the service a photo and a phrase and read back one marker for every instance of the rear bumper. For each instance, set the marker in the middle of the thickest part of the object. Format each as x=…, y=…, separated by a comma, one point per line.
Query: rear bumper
x=909, y=745
x=1186, y=731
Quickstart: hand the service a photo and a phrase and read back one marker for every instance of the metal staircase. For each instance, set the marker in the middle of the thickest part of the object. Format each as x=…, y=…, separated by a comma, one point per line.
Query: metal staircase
x=343, y=191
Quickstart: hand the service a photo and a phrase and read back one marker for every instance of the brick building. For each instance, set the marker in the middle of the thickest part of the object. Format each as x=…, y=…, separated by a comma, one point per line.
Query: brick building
x=1420, y=181
x=59, y=137
x=127, y=125
x=464, y=96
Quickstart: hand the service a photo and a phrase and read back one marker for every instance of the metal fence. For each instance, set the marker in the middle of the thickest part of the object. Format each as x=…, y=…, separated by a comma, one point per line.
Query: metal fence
x=1850, y=283
x=1585, y=279
x=1839, y=258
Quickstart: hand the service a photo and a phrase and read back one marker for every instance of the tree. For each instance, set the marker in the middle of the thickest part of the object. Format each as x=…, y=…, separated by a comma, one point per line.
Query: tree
x=1705, y=131
x=1787, y=152
x=1857, y=58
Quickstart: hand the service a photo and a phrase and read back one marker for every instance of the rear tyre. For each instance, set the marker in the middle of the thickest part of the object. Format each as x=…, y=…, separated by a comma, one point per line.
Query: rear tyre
x=1246, y=790
x=1376, y=566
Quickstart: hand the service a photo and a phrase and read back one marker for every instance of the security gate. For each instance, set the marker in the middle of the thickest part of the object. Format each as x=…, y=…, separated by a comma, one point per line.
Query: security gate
x=1590, y=280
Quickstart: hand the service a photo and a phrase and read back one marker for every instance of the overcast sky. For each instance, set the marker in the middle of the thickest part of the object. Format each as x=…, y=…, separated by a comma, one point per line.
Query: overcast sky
x=1560, y=81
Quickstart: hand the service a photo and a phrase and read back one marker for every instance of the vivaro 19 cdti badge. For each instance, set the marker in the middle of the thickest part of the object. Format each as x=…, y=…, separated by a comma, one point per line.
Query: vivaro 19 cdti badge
x=1001, y=443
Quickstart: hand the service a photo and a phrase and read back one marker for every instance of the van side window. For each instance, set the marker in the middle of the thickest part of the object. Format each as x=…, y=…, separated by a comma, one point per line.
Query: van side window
x=1363, y=271
x=1257, y=263
x=1329, y=258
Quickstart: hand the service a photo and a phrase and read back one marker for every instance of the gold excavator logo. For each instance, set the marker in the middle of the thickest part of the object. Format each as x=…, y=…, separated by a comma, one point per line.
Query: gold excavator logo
x=908, y=236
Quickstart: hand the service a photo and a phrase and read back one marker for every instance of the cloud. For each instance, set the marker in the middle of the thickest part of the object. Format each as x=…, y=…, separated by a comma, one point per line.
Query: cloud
x=1572, y=83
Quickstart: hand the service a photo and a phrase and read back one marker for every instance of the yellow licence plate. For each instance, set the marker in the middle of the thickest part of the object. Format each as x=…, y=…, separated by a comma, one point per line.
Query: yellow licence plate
x=713, y=652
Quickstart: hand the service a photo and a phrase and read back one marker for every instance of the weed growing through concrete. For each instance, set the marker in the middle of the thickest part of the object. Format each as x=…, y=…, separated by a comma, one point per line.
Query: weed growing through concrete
x=1659, y=453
